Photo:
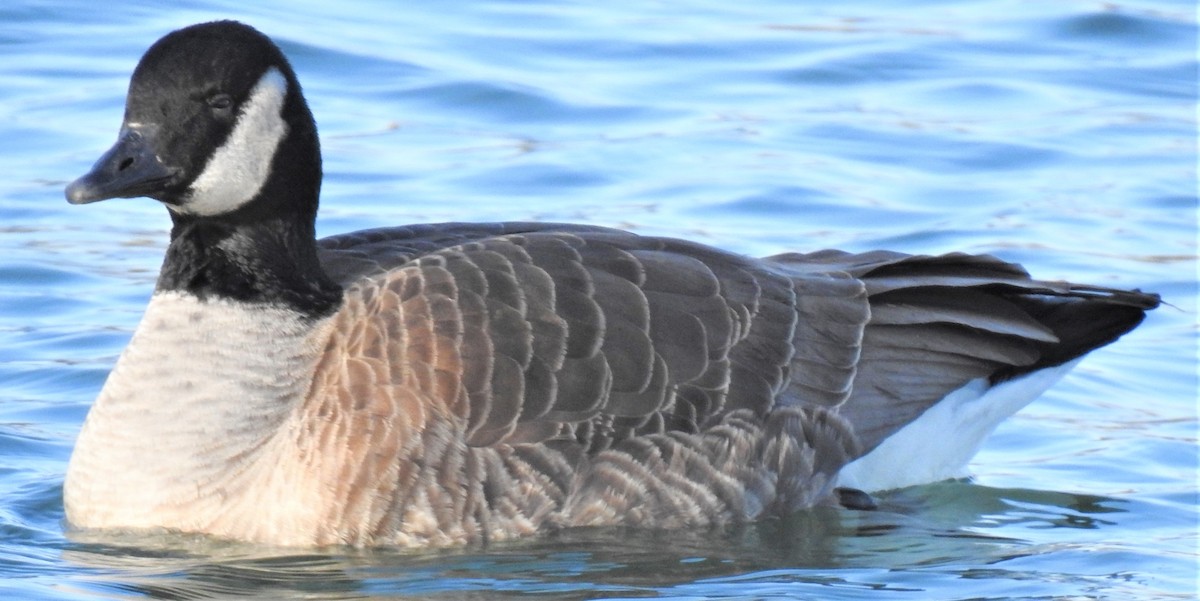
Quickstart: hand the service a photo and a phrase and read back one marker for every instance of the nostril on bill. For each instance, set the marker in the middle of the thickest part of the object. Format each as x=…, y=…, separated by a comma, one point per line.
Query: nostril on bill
x=125, y=164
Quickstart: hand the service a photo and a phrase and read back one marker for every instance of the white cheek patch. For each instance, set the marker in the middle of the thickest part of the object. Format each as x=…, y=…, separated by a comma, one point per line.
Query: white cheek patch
x=238, y=169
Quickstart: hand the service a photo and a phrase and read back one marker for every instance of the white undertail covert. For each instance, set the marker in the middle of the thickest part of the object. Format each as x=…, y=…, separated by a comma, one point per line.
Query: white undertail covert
x=939, y=444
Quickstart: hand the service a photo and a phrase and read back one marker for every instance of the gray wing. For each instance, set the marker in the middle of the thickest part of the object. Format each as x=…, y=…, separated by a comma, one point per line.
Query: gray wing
x=586, y=333
x=597, y=335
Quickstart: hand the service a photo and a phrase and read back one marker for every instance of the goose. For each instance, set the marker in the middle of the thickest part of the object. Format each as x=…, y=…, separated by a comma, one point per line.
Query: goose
x=461, y=383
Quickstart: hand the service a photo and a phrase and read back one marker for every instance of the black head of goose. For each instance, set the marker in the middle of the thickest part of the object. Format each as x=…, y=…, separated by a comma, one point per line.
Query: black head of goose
x=450, y=383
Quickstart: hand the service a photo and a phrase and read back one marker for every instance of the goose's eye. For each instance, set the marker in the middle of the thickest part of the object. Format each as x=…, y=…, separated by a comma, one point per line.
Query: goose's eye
x=220, y=103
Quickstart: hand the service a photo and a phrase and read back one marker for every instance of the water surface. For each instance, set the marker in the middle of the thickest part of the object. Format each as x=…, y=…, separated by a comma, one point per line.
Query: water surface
x=1058, y=134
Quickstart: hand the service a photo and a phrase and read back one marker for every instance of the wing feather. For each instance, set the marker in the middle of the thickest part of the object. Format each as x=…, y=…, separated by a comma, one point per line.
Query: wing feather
x=564, y=335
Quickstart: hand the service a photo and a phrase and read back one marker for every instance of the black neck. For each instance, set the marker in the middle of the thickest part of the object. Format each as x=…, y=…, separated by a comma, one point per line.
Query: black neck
x=270, y=261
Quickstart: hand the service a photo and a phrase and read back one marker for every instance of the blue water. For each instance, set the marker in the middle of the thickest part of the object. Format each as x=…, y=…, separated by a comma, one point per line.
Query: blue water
x=1058, y=134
